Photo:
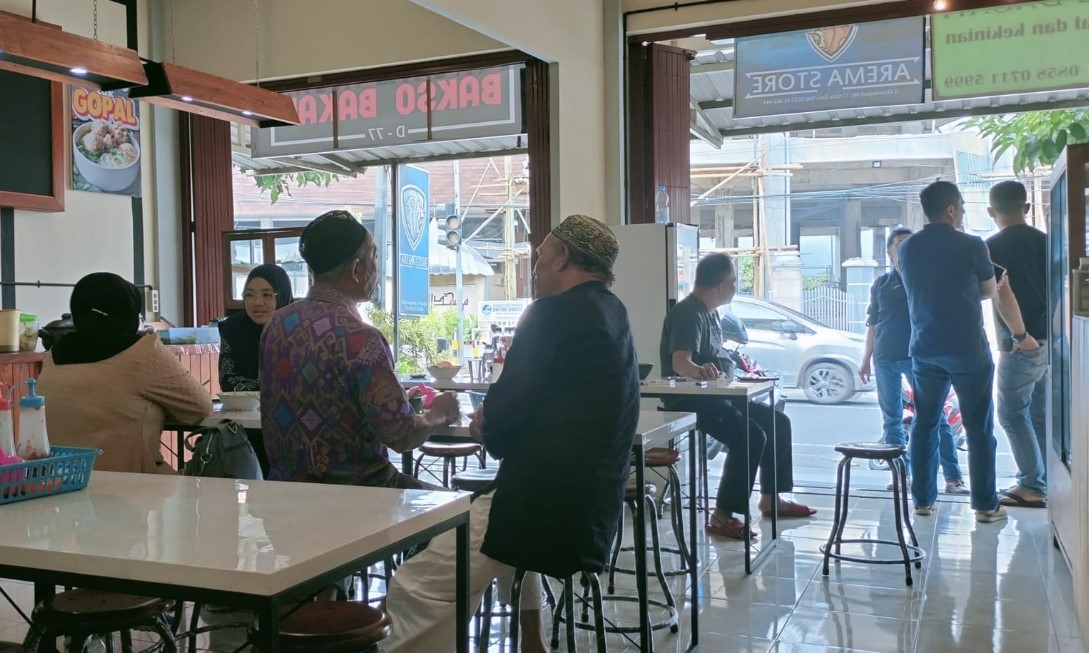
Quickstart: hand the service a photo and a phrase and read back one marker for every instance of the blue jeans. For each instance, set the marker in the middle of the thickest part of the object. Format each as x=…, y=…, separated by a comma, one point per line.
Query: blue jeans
x=890, y=399
x=1022, y=411
x=972, y=378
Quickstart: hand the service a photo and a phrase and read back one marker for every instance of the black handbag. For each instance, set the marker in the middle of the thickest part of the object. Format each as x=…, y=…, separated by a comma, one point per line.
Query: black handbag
x=222, y=451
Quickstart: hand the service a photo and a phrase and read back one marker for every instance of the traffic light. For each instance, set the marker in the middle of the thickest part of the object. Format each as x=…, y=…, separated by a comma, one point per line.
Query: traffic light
x=453, y=231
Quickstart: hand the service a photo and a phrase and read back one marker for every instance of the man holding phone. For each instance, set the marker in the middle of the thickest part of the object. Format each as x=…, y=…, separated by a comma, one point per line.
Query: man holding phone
x=1019, y=252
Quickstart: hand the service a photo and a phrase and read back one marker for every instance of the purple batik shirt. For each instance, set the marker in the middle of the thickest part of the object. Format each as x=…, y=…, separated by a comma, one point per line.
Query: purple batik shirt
x=331, y=402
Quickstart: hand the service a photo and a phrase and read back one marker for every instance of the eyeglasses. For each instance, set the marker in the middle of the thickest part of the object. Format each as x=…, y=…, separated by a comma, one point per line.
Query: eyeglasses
x=258, y=298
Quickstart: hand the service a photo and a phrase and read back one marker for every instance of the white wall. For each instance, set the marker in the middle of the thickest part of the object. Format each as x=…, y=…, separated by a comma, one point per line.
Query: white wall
x=94, y=233
x=306, y=37
x=570, y=34
x=725, y=12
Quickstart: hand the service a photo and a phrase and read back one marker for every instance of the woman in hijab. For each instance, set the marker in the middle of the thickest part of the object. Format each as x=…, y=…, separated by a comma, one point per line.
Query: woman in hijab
x=267, y=290
x=110, y=387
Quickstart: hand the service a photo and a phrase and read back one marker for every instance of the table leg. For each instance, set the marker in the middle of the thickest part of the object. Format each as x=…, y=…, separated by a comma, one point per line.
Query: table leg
x=461, y=587
x=406, y=463
x=44, y=592
x=751, y=562
x=693, y=537
x=268, y=628
x=748, y=504
x=639, y=533
x=179, y=452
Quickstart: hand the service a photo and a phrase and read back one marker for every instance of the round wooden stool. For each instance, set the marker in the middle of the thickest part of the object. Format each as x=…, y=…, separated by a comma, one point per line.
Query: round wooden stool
x=893, y=455
x=333, y=627
x=449, y=454
x=79, y=614
x=474, y=480
x=663, y=461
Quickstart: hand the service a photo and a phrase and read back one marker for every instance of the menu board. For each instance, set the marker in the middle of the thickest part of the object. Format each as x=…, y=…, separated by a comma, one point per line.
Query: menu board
x=105, y=142
x=1020, y=48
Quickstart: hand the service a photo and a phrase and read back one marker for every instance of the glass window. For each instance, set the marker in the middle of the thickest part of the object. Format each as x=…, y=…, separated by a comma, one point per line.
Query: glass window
x=756, y=316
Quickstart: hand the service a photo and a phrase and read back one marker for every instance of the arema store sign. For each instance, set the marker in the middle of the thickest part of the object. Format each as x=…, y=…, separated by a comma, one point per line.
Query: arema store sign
x=455, y=106
x=828, y=68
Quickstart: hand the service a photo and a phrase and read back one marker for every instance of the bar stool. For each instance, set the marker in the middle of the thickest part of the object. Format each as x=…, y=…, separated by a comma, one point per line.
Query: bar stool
x=332, y=627
x=478, y=480
x=449, y=454
x=662, y=462
x=79, y=614
x=893, y=455
x=565, y=606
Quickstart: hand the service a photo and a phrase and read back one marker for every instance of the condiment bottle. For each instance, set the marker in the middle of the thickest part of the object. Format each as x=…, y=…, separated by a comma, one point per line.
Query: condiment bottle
x=497, y=363
x=7, y=426
x=33, y=439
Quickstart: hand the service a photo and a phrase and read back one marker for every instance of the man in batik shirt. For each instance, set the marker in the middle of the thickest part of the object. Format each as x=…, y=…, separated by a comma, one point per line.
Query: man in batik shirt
x=331, y=402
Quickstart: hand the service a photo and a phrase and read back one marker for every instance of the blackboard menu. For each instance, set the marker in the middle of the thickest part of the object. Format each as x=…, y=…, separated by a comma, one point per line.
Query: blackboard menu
x=28, y=142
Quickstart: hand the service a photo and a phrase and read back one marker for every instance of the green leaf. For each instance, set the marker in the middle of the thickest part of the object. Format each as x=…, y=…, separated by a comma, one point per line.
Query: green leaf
x=1077, y=132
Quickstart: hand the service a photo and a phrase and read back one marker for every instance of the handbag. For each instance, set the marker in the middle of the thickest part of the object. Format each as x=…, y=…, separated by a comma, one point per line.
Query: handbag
x=222, y=451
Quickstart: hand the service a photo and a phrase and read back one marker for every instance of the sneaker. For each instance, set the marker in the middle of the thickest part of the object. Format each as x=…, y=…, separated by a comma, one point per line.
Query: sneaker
x=924, y=511
x=991, y=516
x=957, y=487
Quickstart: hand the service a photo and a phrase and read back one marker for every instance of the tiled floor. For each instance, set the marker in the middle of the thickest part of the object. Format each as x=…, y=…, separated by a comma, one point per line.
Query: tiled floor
x=983, y=589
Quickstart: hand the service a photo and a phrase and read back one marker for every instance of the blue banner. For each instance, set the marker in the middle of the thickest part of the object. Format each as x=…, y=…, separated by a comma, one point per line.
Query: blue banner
x=413, y=227
x=828, y=68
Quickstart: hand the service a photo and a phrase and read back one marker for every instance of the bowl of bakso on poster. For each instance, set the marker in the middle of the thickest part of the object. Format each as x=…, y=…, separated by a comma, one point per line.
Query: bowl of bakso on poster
x=106, y=155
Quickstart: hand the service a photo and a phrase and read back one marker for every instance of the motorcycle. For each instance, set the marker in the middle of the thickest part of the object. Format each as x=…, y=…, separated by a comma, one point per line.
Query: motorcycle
x=733, y=330
x=952, y=415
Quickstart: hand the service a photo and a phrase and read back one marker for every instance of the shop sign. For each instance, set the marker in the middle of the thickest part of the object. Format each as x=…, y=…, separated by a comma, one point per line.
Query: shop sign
x=1018, y=48
x=503, y=312
x=455, y=106
x=105, y=142
x=828, y=68
x=414, y=217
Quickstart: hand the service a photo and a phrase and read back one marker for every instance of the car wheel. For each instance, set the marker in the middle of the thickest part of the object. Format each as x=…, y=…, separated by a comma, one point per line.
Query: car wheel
x=828, y=383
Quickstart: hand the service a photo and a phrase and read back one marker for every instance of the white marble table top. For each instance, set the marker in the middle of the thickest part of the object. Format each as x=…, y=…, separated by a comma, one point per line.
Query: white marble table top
x=247, y=419
x=251, y=537
x=459, y=384
x=691, y=388
x=655, y=427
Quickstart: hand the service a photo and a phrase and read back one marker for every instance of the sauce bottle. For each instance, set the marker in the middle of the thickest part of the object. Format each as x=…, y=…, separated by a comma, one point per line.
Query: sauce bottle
x=7, y=426
x=33, y=439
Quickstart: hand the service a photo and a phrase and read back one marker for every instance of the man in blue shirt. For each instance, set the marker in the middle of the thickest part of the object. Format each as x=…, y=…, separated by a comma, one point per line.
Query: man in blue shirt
x=947, y=274
x=887, y=335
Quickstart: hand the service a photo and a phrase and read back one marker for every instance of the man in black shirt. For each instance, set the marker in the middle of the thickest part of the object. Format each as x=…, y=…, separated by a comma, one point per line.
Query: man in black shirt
x=1022, y=374
x=887, y=335
x=691, y=346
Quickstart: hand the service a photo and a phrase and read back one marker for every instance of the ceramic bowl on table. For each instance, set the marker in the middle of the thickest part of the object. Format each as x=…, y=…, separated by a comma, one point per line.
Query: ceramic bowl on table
x=240, y=401
x=644, y=370
x=444, y=373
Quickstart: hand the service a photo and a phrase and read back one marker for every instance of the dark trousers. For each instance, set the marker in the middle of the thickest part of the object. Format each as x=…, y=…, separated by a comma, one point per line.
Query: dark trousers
x=724, y=420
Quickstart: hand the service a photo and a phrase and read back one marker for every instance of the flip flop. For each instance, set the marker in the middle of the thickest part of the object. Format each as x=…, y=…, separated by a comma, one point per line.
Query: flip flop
x=734, y=529
x=791, y=509
x=1018, y=501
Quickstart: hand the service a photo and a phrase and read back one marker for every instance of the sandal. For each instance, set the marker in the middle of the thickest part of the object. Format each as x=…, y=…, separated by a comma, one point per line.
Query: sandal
x=733, y=529
x=1009, y=498
x=789, y=509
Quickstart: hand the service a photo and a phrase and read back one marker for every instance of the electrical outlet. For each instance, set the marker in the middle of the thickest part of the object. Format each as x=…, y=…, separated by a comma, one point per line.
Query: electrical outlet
x=155, y=301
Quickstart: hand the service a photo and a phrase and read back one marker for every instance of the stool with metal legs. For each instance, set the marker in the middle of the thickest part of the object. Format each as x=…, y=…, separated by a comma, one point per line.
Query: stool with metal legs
x=893, y=455
x=564, y=611
x=662, y=463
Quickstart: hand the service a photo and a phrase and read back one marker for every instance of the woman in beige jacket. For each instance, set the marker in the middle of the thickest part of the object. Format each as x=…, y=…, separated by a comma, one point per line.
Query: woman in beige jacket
x=107, y=386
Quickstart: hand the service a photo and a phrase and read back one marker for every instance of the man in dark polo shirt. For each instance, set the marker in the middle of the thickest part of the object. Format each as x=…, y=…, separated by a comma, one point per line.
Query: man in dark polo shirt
x=1022, y=373
x=887, y=335
x=947, y=274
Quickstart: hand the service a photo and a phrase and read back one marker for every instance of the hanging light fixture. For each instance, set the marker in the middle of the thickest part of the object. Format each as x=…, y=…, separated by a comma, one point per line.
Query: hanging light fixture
x=38, y=49
x=194, y=91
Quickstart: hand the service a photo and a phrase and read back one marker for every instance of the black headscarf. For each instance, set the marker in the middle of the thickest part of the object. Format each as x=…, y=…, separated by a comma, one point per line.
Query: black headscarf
x=106, y=312
x=243, y=334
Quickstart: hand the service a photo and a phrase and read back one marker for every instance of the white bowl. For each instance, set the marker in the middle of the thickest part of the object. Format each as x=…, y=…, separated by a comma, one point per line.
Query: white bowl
x=444, y=373
x=240, y=401
x=109, y=179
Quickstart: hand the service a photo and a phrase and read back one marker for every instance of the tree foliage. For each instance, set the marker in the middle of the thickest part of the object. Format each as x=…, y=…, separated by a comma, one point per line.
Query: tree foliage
x=280, y=183
x=419, y=336
x=1036, y=138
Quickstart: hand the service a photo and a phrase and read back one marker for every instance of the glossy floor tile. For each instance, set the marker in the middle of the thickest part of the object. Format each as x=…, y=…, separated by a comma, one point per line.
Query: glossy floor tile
x=983, y=588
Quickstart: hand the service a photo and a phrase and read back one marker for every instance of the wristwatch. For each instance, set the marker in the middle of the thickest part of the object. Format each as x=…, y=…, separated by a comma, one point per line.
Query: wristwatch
x=1020, y=338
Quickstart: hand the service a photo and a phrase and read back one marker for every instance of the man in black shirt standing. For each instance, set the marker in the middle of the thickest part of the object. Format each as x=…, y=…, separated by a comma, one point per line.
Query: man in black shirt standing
x=1022, y=373
x=691, y=346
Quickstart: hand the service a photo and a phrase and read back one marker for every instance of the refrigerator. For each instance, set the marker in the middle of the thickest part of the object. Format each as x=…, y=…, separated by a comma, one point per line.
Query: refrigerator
x=655, y=269
x=1068, y=344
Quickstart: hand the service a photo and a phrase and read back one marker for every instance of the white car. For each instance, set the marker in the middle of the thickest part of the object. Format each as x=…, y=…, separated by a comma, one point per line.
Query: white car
x=820, y=360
